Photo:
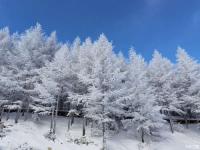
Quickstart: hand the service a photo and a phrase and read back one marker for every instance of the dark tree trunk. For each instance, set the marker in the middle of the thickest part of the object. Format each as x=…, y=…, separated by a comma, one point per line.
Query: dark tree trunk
x=8, y=114
x=104, y=138
x=142, y=135
x=69, y=123
x=56, y=115
x=103, y=127
x=27, y=112
x=119, y=123
x=1, y=113
x=17, y=115
x=186, y=121
x=54, y=127
x=171, y=123
x=84, y=123
x=72, y=120
x=171, y=126
x=52, y=118
x=23, y=112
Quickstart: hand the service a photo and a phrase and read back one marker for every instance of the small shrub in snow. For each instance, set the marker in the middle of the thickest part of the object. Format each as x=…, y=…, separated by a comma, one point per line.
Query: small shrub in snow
x=50, y=136
x=83, y=140
x=24, y=146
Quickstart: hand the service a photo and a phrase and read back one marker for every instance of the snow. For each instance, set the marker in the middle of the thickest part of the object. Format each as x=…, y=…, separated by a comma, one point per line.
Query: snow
x=31, y=134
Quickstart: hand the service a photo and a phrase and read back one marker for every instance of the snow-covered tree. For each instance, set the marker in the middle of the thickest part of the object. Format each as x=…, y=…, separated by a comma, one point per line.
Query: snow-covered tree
x=103, y=77
x=22, y=54
x=160, y=79
x=44, y=77
x=185, y=84
x=142, y=112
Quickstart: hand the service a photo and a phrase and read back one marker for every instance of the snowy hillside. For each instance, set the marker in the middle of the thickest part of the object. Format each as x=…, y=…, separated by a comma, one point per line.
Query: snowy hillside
x=32, y=134
x=29, y=135
x=123, y=100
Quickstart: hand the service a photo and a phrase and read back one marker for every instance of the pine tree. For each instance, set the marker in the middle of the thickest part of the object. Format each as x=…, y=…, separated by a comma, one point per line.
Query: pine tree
x=160, y=79
x=142, y=111
x=185, y=76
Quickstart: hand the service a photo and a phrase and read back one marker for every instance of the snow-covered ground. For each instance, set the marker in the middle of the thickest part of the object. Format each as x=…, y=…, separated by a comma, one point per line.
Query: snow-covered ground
x=30, y=133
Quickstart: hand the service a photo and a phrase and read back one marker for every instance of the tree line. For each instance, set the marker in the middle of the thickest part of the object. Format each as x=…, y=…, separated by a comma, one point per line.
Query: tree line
x=88, y=79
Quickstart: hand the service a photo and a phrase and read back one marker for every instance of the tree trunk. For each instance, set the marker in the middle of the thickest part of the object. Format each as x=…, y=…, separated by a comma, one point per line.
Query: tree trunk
x=56, y=115
x=171, y=123
x=54, y=126
x=69, y=123
x=84, y=123
x=1, y=113
x=8, y=114
x=186, y=122
x=119, y=123
x=23, y=112
x=17, y=115
x=104, y=138
x=103, y=127
x=27, y=112
x=171, y=126
x=52, y=118
x=72, y=120
x=142, y=135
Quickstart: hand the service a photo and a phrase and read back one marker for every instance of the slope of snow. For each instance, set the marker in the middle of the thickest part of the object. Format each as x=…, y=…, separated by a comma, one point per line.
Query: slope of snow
x=30, y=133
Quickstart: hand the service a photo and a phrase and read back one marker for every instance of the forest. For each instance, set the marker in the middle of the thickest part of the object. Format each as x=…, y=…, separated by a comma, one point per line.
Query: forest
x=89, y=80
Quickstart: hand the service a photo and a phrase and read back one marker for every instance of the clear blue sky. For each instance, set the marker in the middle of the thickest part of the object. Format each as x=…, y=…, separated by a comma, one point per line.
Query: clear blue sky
x=144, y=24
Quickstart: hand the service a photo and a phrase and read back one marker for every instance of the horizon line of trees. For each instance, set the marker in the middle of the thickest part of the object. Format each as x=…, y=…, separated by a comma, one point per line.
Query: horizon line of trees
x=42, y=75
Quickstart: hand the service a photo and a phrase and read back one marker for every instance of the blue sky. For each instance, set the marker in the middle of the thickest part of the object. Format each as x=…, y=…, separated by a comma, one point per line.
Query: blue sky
x=144, y=24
